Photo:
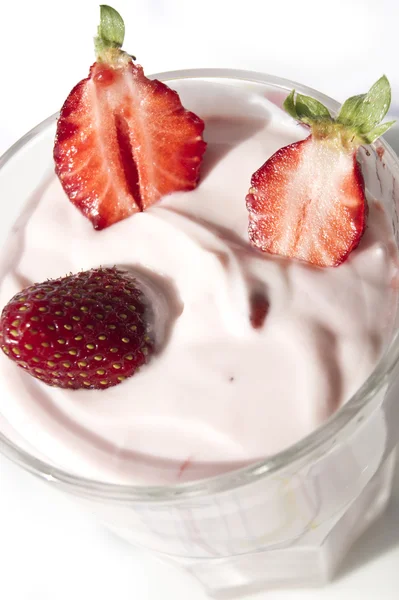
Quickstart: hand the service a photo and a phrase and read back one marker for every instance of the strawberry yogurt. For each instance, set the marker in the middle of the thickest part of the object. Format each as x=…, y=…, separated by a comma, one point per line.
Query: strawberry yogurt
x=253, y=351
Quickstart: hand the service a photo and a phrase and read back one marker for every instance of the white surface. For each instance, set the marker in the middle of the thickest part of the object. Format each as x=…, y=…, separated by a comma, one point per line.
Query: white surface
x=48, y=548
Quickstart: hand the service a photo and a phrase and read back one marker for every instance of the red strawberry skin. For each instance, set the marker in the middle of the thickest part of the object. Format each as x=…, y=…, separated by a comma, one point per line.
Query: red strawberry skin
x=123, y=141
x=307, y=202
x=89, y=331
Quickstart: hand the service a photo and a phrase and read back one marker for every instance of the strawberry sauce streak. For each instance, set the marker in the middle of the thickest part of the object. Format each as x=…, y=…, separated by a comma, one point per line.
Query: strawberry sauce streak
x=259, y=307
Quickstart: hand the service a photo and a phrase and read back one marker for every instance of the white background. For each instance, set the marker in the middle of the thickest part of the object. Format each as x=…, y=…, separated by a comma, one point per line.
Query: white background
x=49, y=550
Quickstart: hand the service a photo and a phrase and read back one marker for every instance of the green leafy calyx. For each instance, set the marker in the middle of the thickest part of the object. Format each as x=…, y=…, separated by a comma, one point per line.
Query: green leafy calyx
x=358, y=121
x=110, y=36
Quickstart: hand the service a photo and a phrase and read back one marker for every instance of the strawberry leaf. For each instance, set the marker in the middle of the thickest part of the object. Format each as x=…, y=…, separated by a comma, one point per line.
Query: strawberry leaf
x=349, y=109
x=364, y=112
x=306, y=109
x=310, y=110
x=110, y=36
x=289, y=105
x=112, y=28
x=377, y=132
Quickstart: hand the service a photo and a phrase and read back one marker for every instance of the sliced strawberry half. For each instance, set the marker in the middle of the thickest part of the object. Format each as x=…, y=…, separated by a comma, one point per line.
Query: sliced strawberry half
x=123, y=141
x=307, y=201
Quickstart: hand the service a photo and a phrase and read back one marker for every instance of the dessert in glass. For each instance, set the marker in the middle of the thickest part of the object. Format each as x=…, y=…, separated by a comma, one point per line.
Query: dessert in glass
x=254, y=440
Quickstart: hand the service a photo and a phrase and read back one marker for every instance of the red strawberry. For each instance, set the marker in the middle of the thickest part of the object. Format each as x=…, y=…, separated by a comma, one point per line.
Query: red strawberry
x=123, y=141
x=90, y=330
x=307, y=201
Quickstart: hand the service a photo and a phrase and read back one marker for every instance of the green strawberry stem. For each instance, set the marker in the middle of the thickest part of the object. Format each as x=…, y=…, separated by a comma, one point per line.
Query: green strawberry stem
x=110, y=36
x=358, y=121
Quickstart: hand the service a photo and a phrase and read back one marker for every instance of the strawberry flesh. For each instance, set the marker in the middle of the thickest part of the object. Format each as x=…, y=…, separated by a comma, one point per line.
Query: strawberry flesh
x=307, y=202
x=91, y=330
x=123, y=141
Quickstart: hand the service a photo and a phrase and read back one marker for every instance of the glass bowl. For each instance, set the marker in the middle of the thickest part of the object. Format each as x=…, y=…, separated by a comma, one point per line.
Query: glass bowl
x=287, y=520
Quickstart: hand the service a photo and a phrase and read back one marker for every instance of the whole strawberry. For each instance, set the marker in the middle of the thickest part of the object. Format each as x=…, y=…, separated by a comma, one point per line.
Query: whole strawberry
x=85, y=331
x=307, y=201
x=123, y=141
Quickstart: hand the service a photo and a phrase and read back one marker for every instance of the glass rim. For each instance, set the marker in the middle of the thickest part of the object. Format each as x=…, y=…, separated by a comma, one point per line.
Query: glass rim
x=319, y=438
